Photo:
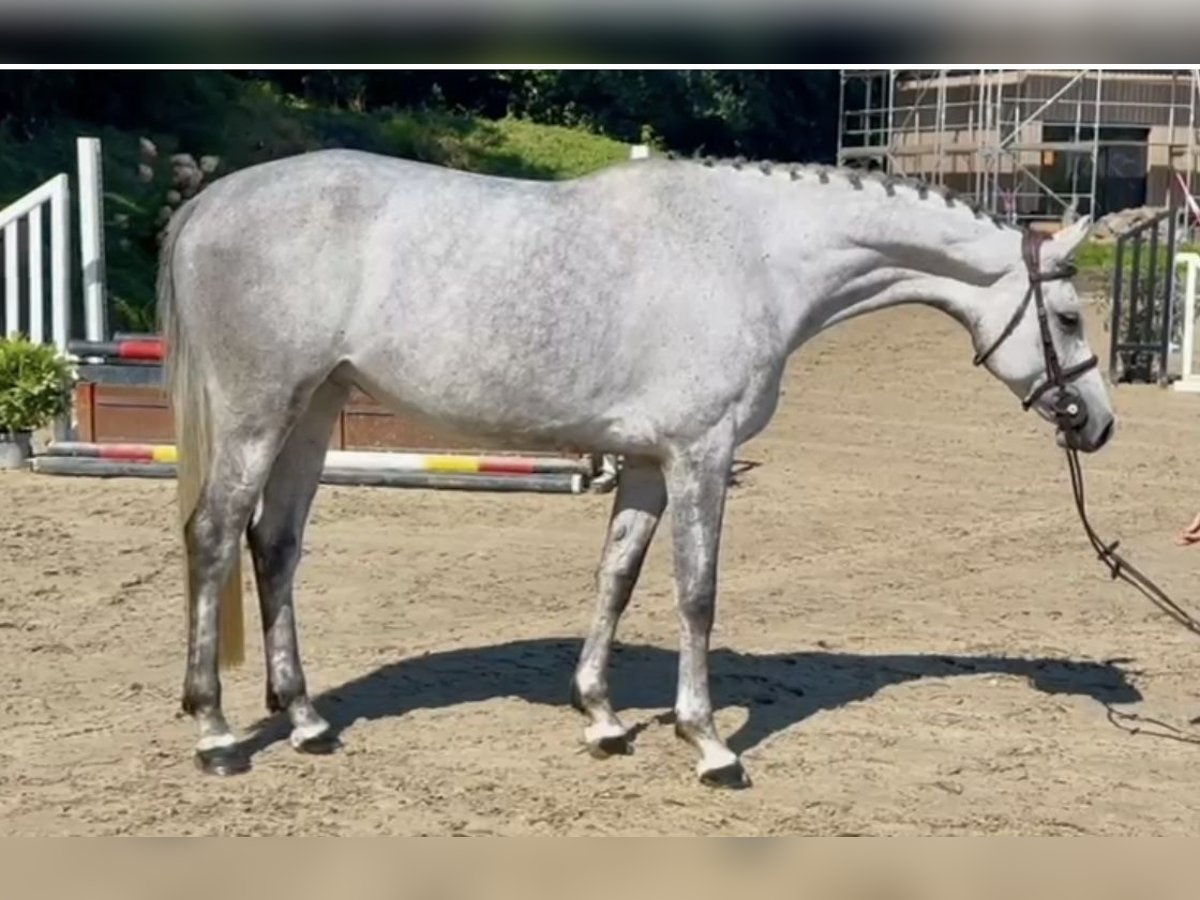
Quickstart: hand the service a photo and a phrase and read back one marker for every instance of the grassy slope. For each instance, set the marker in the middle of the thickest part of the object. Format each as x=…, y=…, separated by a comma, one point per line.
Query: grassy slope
x=244, y=124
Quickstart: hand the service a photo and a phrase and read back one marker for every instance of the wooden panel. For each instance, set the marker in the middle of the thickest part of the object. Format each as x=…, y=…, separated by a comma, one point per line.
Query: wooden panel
x=366, y=425
x=134, y=413
x=377, y=431
x=132, y=424
x=338, y=439
x=140, y=414
x=136, y=395
x=85, y=393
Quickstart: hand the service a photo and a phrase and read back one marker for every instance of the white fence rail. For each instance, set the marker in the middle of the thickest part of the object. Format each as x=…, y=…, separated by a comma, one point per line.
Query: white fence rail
x=25, y=263
x=36, y=234
x=1189, y=380
x=91, y=238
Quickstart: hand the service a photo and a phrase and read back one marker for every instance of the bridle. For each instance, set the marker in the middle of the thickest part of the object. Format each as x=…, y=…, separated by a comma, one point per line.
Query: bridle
x=1070, y=412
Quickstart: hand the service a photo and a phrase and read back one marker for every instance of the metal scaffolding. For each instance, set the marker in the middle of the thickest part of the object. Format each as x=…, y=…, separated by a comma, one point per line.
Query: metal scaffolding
x=1030, y=144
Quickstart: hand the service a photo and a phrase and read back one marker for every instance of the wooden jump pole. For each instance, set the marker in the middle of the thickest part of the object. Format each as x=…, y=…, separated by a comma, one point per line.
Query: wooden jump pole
x=483, y=472
x=357, y=460
x=140, y=350
x=131, y=453
x=547, y=483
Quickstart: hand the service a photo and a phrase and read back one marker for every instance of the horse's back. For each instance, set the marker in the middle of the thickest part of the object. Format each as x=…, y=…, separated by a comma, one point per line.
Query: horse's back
x=351, y=242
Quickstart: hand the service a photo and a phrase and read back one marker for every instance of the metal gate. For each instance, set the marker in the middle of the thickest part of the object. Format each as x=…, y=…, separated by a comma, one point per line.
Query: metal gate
x=1143, y=300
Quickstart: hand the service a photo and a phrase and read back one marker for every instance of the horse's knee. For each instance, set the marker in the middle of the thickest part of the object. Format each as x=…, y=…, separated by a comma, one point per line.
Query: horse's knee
x=211, y=539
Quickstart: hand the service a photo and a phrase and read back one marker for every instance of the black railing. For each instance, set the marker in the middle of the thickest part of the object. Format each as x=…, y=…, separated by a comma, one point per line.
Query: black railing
x=1143, y=300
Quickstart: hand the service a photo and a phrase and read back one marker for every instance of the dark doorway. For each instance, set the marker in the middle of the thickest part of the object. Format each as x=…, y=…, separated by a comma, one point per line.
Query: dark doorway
x=1121, y=172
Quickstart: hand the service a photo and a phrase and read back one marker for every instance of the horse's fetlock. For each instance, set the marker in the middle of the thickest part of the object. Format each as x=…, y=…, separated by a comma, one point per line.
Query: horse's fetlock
x=281, y=696
x=197, y=699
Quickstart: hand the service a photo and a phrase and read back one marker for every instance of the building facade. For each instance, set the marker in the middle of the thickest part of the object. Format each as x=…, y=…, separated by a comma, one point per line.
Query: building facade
x=1030, y=144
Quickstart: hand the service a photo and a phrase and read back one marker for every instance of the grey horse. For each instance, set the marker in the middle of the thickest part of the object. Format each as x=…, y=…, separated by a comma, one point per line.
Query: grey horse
x=646, y=310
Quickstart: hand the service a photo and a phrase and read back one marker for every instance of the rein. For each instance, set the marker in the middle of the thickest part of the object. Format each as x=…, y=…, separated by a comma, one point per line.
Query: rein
x=1070, y=414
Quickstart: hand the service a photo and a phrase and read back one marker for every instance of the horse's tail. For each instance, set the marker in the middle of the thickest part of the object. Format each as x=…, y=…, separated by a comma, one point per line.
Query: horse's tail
x=193, y=439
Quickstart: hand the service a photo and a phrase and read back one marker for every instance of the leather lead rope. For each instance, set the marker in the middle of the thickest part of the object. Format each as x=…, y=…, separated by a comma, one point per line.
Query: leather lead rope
x=1117, y=565
x=1068, y=408
x=1121, y=568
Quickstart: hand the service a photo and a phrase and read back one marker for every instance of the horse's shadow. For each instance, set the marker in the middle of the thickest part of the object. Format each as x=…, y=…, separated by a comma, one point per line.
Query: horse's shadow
x=777, y=690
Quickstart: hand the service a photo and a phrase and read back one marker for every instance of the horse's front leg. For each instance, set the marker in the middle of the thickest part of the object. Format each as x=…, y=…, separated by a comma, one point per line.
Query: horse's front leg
x=639, y=503
x=697, y=479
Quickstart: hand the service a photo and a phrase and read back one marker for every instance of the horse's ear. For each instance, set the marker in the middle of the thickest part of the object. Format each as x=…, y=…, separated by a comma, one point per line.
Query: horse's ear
x=1066, y=241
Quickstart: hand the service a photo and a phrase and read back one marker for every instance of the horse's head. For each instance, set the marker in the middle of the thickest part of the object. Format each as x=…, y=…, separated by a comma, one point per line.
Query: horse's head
x=1030, y=335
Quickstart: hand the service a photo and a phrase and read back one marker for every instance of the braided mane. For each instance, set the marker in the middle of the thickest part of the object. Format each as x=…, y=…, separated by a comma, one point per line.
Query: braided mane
x=856, y=178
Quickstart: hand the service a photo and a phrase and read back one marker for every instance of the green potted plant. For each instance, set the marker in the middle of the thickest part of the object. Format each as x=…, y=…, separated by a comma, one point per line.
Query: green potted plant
x=35, y=388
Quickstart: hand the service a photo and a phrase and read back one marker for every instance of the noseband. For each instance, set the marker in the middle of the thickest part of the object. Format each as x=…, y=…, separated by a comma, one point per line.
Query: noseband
x=1069, y=409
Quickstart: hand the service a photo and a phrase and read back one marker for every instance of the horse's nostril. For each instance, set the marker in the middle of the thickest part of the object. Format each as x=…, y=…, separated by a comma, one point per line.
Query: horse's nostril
x=1105, y=434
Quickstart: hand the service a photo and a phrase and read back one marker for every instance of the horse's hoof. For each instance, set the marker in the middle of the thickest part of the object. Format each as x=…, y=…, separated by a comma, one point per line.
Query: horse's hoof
x=319, y=745
x=611, y=745
x=231, y=760
x=732, y=777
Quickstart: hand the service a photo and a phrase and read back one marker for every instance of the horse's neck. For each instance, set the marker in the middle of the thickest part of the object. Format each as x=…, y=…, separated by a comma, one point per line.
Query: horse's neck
x=874, y=251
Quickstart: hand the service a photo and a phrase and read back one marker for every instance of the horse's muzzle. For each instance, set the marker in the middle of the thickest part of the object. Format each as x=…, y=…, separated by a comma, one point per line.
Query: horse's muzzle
x=1089, y=436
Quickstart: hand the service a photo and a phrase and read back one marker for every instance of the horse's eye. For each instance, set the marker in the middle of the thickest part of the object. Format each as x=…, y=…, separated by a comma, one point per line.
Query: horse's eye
x=1068, y=320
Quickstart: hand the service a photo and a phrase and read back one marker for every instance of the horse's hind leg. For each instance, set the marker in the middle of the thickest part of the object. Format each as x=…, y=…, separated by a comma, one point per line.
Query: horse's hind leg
x=640, y=499
x=275, y=537
x=241, y=459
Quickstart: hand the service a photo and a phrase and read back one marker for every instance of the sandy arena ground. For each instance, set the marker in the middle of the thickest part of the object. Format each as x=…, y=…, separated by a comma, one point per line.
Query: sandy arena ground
x=912, y=637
